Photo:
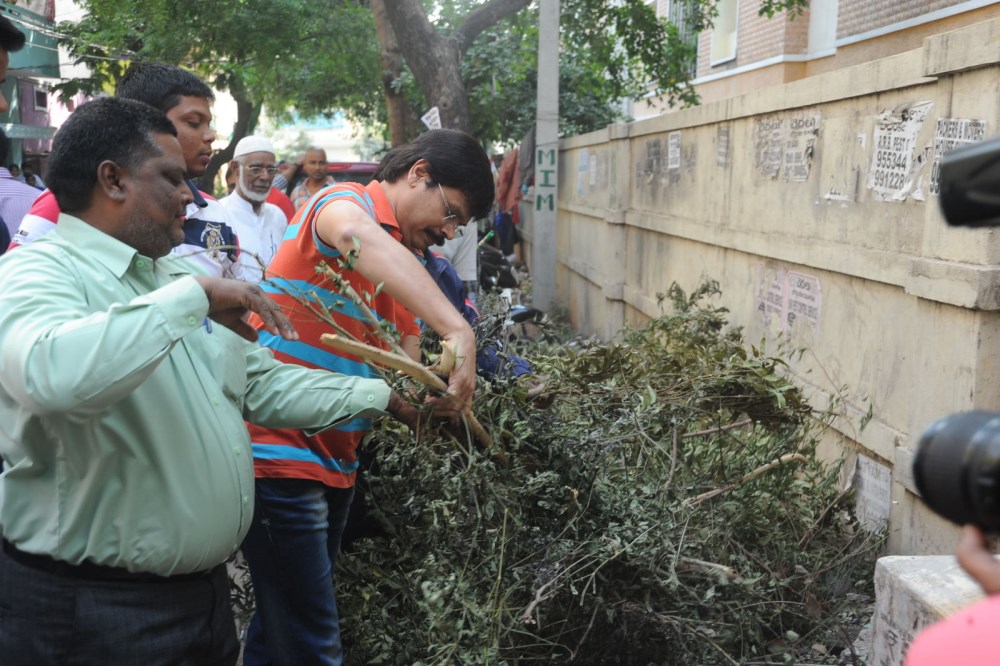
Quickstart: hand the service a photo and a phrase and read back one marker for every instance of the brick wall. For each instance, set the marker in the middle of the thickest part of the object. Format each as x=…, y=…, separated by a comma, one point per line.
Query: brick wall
x=859, y=16
x=758, y=38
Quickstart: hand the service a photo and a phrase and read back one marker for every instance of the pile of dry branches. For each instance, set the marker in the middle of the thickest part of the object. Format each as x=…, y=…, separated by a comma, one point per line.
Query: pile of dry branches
x=666, y=509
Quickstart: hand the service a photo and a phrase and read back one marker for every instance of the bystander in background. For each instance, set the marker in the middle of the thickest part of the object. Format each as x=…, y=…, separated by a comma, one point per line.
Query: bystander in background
x=259, y=225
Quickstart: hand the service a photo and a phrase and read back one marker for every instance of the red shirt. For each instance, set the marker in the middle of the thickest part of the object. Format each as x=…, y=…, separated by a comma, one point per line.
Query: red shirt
x=281, y=200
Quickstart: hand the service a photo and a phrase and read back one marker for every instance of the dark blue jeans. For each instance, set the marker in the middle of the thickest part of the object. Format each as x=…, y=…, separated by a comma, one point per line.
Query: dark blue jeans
x=51, y=619
x=292, y=549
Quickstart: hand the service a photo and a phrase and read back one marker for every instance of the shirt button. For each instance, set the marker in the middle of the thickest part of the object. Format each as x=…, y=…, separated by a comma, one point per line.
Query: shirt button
x=237, y=450
x=140, y=263
x=245, y=499
x=371, y=398
x=192, y=321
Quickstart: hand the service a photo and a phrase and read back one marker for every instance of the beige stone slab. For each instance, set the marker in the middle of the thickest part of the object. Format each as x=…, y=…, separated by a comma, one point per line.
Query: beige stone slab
x=912, y=593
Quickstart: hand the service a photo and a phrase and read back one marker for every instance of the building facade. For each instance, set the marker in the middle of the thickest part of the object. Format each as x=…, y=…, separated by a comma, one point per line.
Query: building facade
x=814, y=205
x=28, y=124
x=744, y=51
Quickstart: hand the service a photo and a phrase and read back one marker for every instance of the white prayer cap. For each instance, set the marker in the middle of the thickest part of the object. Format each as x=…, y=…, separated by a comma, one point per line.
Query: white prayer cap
x=253, y=144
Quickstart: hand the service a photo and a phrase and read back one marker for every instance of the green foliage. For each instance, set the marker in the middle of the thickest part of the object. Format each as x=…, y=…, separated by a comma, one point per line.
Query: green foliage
x=623, y=531
x=637, y=49
x=282, y=53
x=795, y=8
x=500, y=71
x=610, y=51
x=317, y=58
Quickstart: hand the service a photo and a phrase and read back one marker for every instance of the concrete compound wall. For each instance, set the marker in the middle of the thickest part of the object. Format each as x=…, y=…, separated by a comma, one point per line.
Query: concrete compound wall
x=812, y=204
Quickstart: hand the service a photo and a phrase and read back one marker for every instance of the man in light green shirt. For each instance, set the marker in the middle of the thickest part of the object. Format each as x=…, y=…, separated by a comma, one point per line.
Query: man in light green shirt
x=123, y=394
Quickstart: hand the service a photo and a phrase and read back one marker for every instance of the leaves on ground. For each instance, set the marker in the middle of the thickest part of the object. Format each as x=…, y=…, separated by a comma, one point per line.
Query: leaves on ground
x=602, y=541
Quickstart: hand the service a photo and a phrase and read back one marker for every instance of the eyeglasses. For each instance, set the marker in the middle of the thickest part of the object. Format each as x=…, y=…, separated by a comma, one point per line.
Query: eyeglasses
x=257, y=170
x=450, y=217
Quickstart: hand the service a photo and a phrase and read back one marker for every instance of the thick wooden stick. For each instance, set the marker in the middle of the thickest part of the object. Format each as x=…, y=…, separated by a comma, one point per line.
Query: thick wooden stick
x=384, y=358
x=785, y=459
x=405, y=365
x=691, y=564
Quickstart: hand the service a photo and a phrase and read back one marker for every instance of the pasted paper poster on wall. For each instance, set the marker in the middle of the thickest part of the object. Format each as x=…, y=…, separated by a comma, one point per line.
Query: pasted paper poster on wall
x=950, y=134
x=783, y=145
x=800, y=142
x=674, y=150
x=789, y=297
x=894, y=166
x=722, y=147
x=873, y=498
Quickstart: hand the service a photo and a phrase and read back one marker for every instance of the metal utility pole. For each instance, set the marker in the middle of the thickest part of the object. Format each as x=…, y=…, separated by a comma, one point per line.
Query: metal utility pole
x=543, y=251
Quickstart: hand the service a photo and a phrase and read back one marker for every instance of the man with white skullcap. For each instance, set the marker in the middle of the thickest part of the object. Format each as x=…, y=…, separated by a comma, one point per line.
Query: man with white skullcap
x=259, y=225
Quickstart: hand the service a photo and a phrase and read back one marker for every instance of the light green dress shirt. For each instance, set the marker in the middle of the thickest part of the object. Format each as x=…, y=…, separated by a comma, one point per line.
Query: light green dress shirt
x=122, y=411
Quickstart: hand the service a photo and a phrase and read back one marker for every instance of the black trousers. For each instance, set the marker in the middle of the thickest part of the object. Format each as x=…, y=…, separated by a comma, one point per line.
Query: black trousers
x=61, y=618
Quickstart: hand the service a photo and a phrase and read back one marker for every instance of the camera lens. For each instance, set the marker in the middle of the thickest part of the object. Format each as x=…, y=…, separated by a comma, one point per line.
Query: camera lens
x=957, y=468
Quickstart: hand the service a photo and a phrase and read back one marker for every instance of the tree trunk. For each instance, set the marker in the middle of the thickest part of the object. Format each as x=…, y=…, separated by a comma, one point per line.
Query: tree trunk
x=247, y=113
x=435, y=58
x=392, y=68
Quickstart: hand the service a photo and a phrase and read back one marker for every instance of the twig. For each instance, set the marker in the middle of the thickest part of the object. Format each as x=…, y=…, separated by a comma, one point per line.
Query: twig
x=709, y=640
x=499, y=577
x=759, y=562
x=807, y=537
x=540, y=596
x=787, y=458
x=409, y=367
x=673, y=461
x=385, y=358
x=714, y=431
x=691, y=564
x=312, y=302
x=573, y=568
x=593, y=616
x=850, y=643
x=347, y=290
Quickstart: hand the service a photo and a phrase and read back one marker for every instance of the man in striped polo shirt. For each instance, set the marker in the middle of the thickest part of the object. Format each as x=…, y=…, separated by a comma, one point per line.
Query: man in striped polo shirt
x=305, y=480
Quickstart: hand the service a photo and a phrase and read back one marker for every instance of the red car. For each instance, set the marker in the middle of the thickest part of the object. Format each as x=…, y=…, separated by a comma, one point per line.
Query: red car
x=352, y=172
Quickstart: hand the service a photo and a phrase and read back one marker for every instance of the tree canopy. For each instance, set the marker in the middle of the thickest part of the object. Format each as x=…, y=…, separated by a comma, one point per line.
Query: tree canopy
x=280, y=53
x=610, y=50
x=475, y=60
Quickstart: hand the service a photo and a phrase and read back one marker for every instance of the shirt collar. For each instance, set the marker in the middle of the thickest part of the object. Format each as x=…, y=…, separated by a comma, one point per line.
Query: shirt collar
x=199, y=200
x=115, y=255
x=242, y=204
x=386, y=216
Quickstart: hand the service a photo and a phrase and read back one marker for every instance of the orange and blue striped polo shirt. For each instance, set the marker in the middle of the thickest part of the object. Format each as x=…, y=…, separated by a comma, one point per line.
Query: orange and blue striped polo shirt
x=329, y=456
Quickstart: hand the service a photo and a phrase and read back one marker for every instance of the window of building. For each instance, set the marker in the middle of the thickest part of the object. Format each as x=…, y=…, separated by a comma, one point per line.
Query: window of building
x=679, y=13
x=41, y=99
x=724, y=32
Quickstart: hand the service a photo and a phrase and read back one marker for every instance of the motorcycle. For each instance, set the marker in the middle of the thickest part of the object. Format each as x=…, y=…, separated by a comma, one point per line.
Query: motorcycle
x=498, y=275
